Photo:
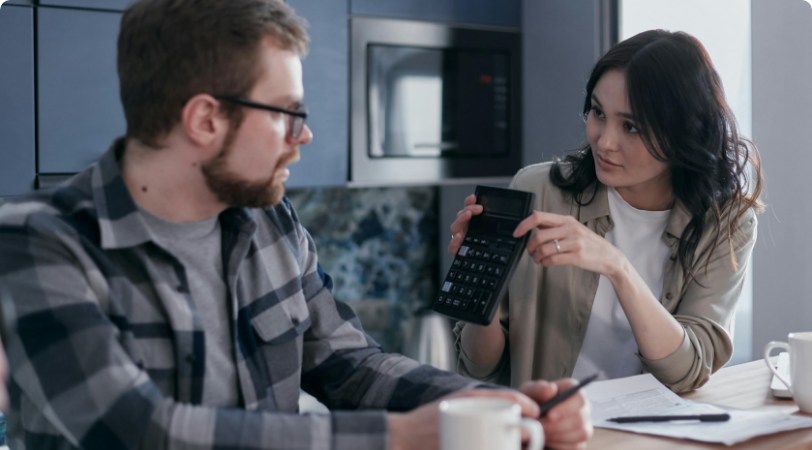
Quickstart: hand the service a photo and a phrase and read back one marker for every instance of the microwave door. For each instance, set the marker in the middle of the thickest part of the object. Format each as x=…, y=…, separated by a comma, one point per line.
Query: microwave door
x=406, y=94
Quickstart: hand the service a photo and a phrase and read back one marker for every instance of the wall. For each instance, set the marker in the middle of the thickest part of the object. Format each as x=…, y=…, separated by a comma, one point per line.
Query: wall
x=782, y=95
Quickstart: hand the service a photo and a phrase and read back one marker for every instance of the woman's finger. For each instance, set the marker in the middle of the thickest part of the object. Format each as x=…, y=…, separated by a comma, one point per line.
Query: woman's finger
x=539, y=219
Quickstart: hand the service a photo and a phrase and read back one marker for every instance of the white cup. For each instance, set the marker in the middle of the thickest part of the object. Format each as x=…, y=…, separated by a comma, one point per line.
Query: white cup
x=486, y=423
x=800, y=367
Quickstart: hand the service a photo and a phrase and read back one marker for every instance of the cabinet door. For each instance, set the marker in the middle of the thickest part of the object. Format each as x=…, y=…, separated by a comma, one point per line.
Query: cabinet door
x=115, y=5
x=504, y=13
x=79, y=112
x=17, y=100
x=324, y=161
x=18, y=2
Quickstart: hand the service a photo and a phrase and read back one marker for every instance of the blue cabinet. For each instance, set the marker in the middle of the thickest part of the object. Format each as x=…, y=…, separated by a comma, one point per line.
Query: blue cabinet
x=17, y=99
x=506, y=13
x=116, y=5
x=324, y=161
x=79, y=112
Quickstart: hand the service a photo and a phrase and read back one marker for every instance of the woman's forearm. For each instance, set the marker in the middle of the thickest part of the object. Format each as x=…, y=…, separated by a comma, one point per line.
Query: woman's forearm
x=657, y=332
x=483, y=344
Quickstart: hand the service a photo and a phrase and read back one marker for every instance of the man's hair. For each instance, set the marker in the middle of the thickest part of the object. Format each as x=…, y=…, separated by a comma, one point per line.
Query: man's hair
x=172, y=50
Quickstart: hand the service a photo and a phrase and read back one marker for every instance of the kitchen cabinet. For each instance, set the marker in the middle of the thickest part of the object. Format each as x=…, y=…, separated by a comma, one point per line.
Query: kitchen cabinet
x=17, y=99
x=506, y=13
x=18, y=2
x=115, y=5
x=326, y=82
x=79, y=112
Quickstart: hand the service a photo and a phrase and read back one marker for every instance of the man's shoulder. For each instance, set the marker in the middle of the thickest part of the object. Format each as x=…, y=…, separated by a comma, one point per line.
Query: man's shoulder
x=70, y=202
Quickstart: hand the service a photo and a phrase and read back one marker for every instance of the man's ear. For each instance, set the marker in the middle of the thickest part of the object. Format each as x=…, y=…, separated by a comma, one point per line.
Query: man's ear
x=202, y=121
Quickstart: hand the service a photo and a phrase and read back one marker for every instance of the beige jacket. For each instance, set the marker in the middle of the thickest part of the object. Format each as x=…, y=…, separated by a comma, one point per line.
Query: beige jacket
x=547, y=309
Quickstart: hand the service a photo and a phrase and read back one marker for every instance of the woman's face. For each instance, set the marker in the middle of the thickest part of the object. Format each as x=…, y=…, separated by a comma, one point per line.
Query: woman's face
x=622, y=160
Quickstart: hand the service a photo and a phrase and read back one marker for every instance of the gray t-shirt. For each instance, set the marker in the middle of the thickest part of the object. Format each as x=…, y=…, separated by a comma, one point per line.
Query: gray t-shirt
x=198, y=247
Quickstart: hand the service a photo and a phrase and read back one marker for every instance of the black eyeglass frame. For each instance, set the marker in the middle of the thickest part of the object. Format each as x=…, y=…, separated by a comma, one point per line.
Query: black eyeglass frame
x=297, y=121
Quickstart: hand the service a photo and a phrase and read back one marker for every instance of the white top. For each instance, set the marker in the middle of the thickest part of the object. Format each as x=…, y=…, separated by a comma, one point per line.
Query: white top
x=609, y=348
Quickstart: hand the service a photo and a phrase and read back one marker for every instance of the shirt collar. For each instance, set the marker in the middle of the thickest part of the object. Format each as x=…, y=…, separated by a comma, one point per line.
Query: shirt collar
x=120, y=221
x=599, y=207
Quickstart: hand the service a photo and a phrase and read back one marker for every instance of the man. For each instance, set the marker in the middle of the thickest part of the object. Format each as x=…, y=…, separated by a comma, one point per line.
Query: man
x=168, y=297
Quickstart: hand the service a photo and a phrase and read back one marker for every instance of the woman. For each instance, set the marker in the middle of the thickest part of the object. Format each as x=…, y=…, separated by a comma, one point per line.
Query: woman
x=639, y=241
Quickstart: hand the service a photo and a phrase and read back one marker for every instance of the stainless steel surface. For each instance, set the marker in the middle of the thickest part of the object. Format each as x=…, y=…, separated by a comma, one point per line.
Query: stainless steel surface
x=368, y=170
x=429, y=340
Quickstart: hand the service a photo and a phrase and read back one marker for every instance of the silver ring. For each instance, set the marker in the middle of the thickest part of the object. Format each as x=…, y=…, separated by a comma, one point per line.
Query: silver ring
x=453, y=235
x=557, y=246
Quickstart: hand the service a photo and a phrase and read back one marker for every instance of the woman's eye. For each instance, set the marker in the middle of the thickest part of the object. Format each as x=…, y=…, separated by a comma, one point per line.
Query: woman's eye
x=597, y=112
x=630, y=127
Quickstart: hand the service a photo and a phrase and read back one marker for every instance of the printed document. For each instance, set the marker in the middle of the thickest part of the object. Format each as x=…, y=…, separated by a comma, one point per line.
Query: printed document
x=643, y=395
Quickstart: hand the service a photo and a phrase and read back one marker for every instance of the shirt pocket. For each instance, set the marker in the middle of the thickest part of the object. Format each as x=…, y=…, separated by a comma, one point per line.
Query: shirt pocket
x=282, y=322
x=279, y=339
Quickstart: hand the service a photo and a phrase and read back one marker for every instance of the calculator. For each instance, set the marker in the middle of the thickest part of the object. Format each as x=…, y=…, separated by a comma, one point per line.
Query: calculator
x=479, y=273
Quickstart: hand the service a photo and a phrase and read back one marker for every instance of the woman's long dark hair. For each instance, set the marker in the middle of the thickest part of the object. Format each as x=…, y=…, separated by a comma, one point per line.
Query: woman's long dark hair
x=679, y=106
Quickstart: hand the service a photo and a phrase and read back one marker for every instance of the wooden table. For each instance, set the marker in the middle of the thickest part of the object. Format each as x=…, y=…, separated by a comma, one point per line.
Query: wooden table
x=745, y=386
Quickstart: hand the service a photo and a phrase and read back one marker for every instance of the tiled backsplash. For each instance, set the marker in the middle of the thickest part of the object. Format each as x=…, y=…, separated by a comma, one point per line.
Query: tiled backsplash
x=376, y=243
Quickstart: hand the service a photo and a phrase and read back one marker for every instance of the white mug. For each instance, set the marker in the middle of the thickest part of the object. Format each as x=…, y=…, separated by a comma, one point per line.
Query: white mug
x=800, y=367
x=486, y=423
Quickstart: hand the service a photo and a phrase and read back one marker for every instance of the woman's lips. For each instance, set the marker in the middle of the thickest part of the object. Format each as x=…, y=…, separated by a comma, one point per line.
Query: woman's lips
x=606, y=163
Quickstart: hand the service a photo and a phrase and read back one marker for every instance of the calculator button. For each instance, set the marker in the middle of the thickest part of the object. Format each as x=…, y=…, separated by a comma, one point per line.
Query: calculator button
x=447, y=286
x=463, y=250
x=440, y=299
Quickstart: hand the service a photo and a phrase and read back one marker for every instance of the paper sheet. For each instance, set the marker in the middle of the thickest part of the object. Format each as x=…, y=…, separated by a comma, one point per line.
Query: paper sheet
x=644, y=395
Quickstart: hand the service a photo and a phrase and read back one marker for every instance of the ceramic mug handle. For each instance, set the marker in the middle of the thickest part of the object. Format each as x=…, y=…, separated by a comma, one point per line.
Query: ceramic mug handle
x=767, y=350
x=533, y=428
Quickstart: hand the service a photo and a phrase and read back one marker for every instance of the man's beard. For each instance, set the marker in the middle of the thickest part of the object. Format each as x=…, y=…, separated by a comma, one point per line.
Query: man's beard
x=235, y=191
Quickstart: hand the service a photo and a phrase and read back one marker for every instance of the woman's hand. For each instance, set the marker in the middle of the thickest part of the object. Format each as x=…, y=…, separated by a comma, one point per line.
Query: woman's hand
x=460, y=225
x=558, y=240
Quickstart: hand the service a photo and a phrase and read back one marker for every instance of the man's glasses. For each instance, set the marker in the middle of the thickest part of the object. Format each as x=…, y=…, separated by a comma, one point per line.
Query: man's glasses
x=297, y=117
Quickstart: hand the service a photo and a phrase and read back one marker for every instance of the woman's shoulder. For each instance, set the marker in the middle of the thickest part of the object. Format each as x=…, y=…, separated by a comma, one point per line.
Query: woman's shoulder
x=534, y=171
x=535, y=178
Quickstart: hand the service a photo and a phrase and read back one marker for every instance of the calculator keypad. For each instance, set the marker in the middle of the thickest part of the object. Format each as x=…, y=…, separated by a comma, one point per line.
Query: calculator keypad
x=473, y=281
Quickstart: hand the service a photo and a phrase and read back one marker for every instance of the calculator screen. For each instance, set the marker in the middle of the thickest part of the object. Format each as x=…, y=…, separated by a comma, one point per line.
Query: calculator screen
x=502, y=206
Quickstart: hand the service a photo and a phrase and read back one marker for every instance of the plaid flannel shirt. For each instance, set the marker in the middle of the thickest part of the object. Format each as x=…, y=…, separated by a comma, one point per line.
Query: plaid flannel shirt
x=109, y=351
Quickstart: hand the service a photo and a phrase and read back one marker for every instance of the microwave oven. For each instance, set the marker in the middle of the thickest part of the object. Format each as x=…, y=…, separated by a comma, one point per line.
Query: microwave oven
x=433, y=103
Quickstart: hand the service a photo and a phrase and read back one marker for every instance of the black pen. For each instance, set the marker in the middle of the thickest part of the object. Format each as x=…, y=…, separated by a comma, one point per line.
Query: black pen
x=563, y=395
x=722, y=417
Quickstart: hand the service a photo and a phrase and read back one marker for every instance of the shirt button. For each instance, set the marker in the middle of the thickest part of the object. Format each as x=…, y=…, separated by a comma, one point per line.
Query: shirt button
x=669, y=296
